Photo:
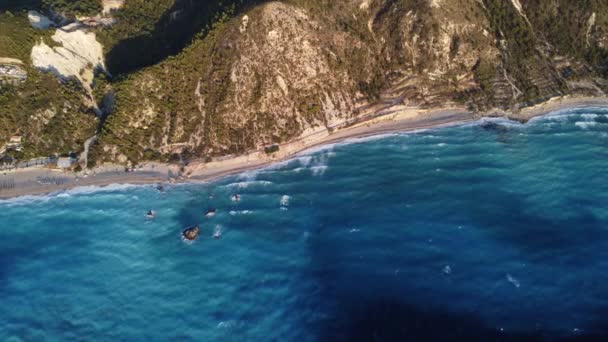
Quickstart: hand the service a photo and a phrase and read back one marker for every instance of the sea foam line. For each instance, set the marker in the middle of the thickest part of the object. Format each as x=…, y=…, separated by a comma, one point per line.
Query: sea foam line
x=79, y=190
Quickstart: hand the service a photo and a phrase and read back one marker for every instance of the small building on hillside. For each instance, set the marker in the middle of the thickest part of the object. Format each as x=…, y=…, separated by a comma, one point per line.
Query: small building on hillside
x=270, y=149
x=14, y=143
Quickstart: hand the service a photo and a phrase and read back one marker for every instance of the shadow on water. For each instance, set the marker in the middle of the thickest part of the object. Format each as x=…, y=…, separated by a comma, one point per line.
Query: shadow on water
x=369, y=305
x=381, y=319
x=173, y=32
x=508, y=218
x=502, y=132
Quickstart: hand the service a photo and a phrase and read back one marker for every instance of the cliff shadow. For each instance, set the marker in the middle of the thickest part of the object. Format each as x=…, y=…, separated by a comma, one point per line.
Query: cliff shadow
x=177, y=28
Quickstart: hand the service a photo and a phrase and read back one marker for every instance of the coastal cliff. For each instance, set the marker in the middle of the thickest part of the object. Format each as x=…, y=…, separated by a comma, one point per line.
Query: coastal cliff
x=202, y=81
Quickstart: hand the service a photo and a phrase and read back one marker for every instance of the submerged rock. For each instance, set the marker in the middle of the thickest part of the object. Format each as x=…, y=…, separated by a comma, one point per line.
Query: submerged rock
x=603, y=119
x=494, y=127
x=191, y=233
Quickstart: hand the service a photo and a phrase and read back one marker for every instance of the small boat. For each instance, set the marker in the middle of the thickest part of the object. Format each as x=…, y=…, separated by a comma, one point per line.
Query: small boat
x=151, y=214
x=191, y=233
x=210, y=212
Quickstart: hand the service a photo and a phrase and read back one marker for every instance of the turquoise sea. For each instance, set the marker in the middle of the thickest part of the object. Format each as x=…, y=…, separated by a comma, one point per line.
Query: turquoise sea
x=491, y=231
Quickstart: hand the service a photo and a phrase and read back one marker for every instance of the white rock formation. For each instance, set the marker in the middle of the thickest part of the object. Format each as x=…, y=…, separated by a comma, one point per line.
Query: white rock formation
x=111, y=5
x=77, y=55
x=38, y=20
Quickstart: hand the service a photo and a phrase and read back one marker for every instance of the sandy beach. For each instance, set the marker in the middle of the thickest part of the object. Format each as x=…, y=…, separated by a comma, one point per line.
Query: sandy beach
x=39, y=181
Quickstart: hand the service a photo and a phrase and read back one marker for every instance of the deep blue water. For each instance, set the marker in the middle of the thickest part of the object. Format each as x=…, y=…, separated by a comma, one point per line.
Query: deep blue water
x=487, y=231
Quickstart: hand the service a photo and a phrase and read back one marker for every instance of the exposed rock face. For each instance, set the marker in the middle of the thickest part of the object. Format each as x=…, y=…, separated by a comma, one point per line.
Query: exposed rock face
x=77, y=54
x=111, y=5
x=12, y=71
x=280, y=70
x=261, y=79
x=38, y=20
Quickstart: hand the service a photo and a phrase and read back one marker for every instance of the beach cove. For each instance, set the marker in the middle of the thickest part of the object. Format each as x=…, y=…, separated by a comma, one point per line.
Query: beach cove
x=38, y=181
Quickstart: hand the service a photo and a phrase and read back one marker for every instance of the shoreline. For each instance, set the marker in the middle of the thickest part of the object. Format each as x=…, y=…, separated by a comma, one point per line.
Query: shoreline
x=41, y=181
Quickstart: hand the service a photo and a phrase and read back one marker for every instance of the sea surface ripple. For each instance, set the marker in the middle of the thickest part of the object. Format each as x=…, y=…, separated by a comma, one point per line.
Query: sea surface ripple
x=486, y=231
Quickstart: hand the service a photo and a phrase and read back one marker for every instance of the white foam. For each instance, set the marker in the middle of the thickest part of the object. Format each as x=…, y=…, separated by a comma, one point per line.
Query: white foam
x=589, y=117
x=217, y=232
x=513, y=281
x=318, y=170
x=585, y=124
x=500, y=121
x=317, y=149
x=240, y=212
x=304, y=161
x=370, y=138
x=249, y=176
x=552, y=118
x=245, y=185
x=225, y=325
x=284, y=201
x=564, y=114
x=447, y=269
x=82, y=190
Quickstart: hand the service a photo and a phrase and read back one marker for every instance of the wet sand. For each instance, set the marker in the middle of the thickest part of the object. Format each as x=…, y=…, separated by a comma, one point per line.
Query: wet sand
x=39, y=181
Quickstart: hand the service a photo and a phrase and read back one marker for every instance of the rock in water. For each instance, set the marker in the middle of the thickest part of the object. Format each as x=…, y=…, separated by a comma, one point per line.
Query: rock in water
x=210, y=212
x=191, y=233
x=494, y=127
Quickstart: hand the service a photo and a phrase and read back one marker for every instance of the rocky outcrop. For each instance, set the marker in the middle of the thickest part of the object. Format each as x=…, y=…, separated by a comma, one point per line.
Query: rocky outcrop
x=281, y=70
x=191, y=233
x=12, y=71
x=74, y=54
x=111, y=5
x=39, y=21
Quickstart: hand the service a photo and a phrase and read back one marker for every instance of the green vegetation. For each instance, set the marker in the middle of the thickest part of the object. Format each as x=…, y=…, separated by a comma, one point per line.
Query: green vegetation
x=159, y=29
x=19, y=104
x=74, y=7
x=17, y=35
x=172, y=63
x=565, y=24
x=47, y=113
x=520, y=52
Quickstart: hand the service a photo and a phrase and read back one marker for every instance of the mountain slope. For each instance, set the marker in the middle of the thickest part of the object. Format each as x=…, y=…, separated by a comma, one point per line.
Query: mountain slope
x=270, y=71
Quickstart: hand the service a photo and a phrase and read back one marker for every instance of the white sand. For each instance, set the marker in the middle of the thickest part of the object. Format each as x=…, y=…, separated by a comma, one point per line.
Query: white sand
x=404, y=119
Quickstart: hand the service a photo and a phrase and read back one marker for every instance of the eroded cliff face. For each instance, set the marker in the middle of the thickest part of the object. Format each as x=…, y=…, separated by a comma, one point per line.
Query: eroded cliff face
x=265, y=77
x=284, y=69
x=278, y=70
